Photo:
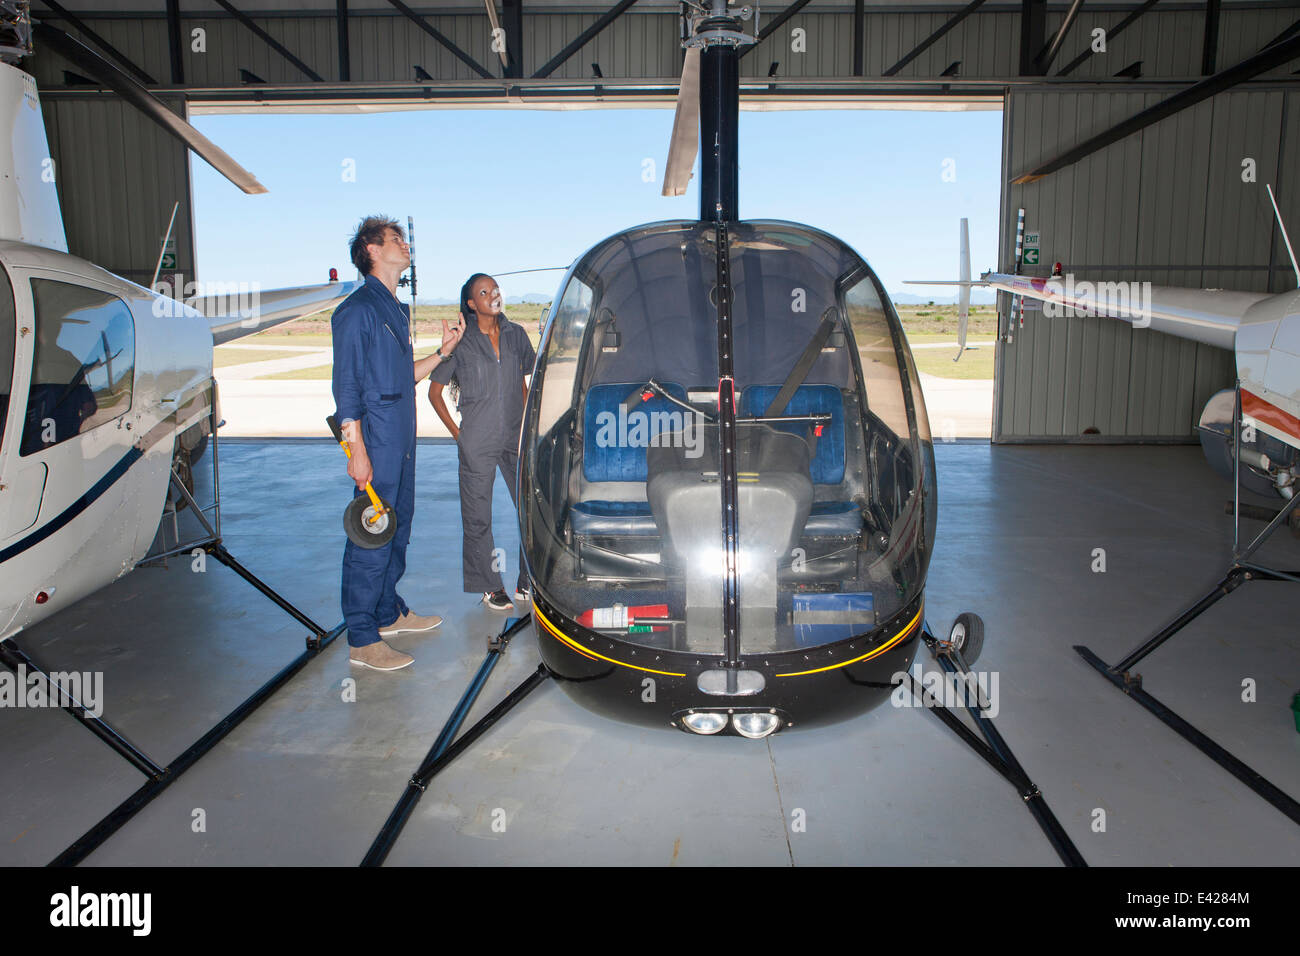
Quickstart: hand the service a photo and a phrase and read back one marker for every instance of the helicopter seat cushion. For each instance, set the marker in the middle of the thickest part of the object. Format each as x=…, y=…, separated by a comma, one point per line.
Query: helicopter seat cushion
x=834, y=518
x=612, y=518
x=828, y=460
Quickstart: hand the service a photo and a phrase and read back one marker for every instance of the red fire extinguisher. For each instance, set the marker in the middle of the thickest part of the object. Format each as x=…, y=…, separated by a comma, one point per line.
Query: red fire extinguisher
x=620, y=616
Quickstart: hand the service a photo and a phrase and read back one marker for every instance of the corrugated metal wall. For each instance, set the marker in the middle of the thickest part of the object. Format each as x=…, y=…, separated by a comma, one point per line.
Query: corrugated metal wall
x=1167, y=205
x=118, y=175
x=385, y=46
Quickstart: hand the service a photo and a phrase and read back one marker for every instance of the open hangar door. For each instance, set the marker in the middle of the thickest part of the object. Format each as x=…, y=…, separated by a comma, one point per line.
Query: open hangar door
x=1180, y=203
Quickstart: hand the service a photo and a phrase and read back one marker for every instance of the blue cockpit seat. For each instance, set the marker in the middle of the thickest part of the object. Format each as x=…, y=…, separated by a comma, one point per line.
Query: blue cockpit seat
x=828, y=459
x=829, y=517
x=614, y=443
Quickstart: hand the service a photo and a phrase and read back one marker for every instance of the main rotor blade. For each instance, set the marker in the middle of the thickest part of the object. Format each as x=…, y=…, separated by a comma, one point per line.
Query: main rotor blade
x=685, y=142
x=124, y=86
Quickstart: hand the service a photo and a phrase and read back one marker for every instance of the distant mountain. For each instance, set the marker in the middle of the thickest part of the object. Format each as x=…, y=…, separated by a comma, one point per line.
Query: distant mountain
x=528, y=298
x=977, y=297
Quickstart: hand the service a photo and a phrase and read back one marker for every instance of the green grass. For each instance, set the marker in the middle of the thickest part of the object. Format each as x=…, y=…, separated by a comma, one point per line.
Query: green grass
x=225, y=357
x=931, y=338
x=315, y=373
x=942, y=320
x=276, y=337
x=974, y=364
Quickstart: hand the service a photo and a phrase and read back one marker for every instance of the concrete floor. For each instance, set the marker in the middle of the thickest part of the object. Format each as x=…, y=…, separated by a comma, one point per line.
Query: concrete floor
x=310, y=778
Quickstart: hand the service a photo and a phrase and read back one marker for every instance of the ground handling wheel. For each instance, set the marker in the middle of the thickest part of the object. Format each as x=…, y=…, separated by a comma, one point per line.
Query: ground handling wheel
x=365, y=526
x=967, y=637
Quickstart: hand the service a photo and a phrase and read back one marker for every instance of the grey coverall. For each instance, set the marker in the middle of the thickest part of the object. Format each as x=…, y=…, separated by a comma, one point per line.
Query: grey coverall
x=491, y=413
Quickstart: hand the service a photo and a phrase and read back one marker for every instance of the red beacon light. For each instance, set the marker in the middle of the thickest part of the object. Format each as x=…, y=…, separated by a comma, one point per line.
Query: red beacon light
x=334, y=275
x=1056, y=269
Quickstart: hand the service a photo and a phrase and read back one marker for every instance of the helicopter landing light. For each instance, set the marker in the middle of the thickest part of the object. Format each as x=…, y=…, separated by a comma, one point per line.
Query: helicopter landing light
x=705, y=722
x=755, y=726
x=744, y=683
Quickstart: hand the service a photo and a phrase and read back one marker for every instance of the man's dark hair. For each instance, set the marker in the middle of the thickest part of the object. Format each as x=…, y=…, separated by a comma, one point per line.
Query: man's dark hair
x=372, y=231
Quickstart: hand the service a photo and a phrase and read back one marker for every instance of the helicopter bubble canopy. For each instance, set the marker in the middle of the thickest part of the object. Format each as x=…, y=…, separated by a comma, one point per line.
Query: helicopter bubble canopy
x=621, y=504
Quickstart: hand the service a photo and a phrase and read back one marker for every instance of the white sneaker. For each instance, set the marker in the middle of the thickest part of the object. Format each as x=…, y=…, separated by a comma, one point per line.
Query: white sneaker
x=497, y=601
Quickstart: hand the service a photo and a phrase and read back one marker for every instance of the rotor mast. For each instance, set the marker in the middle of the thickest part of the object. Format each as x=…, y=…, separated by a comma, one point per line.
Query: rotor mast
x=708, y=106
x=720, y=37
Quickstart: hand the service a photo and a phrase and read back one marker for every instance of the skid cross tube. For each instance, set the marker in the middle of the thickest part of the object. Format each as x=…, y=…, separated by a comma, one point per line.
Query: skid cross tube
x=93, y=838
x=443, y=750
x=1132, y=686
x=1240, y=571
x=993, y=749
x=160, y=777
x=17, y=660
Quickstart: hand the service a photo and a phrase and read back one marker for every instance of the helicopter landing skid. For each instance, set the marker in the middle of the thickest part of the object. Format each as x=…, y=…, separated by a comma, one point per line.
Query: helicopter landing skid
x=1241, y=570
x=992, y=748
x=159, y=777
x=444, y=751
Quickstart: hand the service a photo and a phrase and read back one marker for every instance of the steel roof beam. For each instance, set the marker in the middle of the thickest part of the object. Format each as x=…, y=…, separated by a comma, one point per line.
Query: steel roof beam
x=269, y=40
x=1266, y=59
x=1113, y=32
x=455, y=51
x=583, y=39
x=933, y=37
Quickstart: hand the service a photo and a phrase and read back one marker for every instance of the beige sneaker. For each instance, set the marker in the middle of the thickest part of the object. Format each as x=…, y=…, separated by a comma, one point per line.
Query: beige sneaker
x=379, y=656
x=410, y=621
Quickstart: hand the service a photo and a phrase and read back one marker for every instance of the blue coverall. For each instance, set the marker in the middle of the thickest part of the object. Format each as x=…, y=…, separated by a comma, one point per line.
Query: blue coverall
x=374, y=382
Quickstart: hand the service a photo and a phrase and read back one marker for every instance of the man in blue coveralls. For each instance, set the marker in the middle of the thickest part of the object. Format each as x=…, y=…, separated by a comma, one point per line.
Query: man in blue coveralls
x=375, y=372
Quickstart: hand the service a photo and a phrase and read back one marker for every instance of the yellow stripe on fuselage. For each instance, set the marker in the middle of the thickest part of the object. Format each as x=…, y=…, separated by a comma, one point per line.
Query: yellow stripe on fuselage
x=564, y=639
x=569, y=642
x=870, y=654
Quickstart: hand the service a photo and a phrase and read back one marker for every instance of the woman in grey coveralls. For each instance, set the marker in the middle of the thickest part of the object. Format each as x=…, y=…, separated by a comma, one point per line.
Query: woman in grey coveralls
x=489, y=366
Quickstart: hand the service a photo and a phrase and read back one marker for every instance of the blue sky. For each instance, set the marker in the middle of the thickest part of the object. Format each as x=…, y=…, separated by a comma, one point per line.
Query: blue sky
x=500, y=190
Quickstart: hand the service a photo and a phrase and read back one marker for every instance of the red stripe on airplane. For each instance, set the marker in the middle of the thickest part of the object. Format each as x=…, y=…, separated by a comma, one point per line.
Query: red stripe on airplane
x=1268, y=413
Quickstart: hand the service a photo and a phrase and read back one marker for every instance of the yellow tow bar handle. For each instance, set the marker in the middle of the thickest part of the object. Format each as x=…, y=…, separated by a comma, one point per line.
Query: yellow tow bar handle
x=338, y=436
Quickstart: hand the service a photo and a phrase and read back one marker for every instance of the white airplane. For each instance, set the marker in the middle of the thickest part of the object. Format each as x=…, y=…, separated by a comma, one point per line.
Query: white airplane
x=963, y=284
x=104, y=384
x=1262, y=329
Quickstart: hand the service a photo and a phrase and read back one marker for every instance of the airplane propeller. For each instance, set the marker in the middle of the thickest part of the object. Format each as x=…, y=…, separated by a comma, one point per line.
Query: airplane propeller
x=126, y=87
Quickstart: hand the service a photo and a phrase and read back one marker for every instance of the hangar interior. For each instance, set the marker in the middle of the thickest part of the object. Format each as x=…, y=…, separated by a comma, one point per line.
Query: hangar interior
x=1179, y=201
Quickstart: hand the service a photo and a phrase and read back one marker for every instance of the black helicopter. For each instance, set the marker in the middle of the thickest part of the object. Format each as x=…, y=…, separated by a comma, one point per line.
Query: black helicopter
x=727, y=482
x=727, y=493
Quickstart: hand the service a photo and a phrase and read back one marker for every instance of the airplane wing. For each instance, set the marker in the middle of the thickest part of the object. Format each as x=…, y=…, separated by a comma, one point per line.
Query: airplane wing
x=236, y=314
x=1211, y=316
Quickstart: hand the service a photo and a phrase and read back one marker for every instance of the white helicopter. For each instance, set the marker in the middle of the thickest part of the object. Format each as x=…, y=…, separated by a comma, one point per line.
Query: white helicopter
x=104, y=384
